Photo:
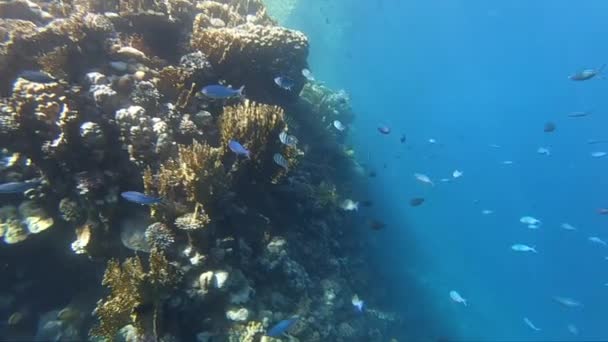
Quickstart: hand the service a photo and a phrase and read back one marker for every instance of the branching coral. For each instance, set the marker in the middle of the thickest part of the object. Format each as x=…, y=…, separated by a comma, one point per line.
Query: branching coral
x=254, y=125
x=117, y=310
x=131, y=287
x=197, y=173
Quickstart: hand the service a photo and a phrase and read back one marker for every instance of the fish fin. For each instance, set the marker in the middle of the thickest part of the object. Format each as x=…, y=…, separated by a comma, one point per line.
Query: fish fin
x=241, y=91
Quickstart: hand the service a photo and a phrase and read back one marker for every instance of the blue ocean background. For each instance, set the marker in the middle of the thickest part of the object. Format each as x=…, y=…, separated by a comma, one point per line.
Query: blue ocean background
x=471, y=74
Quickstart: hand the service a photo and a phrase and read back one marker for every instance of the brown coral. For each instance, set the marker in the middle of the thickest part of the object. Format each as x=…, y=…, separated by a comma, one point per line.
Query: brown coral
x=132, y=287
x=272, y=50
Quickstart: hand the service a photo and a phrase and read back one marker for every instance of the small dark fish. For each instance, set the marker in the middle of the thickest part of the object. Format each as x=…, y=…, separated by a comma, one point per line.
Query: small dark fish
x=578, y=114
x=602, y=211
x=139, y=198
x=372, y=174
x=586, y=74
x=402, y=138
x=549, y=127
x=327, y=20
x=414, y=202
x=376, y=225
x=36, y=76
x=282, y=327
x=18, y=187
x=281, y=161
x=237, y=148
x=367, y=203
x=384, y=129
x=284, y=82
x=217, y=91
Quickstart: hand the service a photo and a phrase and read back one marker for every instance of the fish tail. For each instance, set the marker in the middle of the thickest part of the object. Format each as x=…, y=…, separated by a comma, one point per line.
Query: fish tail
x=241, y=90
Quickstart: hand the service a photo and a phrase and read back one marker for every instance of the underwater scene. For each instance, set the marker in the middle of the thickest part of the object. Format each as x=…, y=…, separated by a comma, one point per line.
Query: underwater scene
x=303, y=170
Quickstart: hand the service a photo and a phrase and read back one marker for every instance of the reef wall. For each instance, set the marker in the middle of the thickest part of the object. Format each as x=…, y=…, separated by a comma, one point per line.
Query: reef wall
x=103, y=97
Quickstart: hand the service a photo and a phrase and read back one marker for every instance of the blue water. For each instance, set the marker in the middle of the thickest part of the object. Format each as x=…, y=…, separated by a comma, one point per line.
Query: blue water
x=470, y=74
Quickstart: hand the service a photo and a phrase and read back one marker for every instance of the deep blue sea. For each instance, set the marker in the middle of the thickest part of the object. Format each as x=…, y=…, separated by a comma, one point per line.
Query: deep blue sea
x=470, y=75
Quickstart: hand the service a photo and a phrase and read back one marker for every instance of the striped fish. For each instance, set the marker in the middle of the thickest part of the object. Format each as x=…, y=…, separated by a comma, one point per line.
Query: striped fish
x=281, y=161
x=287, y=139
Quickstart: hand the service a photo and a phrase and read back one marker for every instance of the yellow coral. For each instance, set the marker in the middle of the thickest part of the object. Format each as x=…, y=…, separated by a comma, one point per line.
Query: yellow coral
x=253, y=125
x=118, y=309
x=131, y=287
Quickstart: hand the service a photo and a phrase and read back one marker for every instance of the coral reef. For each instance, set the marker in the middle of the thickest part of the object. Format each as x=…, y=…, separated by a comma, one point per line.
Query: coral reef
x=234, y=244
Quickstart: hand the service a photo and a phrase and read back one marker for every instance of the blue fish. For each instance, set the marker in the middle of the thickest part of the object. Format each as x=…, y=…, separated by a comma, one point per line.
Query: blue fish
x=17, y=187
x=237, y=148
x=284, y=82
x=217, y=91
x=282, y=327
x=139, y=198
x=36, y=76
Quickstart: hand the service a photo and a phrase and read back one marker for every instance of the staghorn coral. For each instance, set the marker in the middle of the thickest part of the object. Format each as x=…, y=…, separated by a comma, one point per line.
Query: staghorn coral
x=273, y=50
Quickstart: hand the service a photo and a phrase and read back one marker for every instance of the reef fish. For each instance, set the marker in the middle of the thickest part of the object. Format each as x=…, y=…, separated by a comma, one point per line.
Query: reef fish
x=339, y=126
x=530, y=324
x=549, y=127
x=533, y=223
x=586, y=74
x=414, y=202
x=597, y=240
x=402, y=139
x=282, y=327
x=423, y=178
x=281, y=161
x=602, y=211
x=284, y=82
x=598, y=154
x=357, y=303
x=568, y=302
x=349, y=205
x=36, y=76
x=376, y=225
x=218, y=91
x=578, y=114
x=457, y=298
x=457, y=174
x=139, y=198
x=384, y=129
x=18, y=187
x=518, y=247
x=543, y=150
x=567, y=226
x=287, y=139
x=237, y=148
x=307, y=74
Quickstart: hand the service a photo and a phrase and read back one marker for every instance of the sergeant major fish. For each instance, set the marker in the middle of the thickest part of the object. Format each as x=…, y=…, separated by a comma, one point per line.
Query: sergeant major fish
x=284, y=82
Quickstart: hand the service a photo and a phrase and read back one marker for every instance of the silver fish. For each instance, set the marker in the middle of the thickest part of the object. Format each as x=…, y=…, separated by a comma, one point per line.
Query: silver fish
x=339, y=126
x=598, y=154
x=569, y=302
x=287, y=139
x=281, y=161
x=530, y=324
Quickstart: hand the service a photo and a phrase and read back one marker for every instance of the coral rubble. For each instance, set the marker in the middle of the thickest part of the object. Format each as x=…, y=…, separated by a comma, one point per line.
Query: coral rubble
x=235, y=244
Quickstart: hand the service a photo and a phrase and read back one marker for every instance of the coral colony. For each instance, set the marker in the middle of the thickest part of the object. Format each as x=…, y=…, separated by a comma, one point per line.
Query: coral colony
x=112, y=157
